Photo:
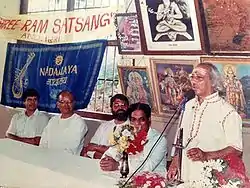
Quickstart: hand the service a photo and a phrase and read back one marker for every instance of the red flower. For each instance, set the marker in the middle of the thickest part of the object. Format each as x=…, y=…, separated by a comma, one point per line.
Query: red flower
x=137, y=145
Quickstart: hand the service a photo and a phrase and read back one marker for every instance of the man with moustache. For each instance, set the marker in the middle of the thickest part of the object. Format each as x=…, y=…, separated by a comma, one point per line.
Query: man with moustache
x=100, y=141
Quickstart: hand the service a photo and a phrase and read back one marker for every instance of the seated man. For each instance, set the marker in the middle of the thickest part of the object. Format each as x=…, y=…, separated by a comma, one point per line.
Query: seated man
x=67, y=131
x=27, y=126
x=100, y=141
x=140, y=117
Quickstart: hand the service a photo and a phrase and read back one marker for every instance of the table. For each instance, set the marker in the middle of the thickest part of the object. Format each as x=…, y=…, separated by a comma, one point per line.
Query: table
x=24, y=165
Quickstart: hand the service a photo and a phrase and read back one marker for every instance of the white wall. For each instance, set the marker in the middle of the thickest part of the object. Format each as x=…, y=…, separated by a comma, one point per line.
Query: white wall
x=7, y=8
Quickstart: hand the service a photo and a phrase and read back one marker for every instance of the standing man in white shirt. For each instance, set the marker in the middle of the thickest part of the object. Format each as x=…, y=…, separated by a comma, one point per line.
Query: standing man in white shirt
x=27, y=126
x=66, y=131
x=100, y=141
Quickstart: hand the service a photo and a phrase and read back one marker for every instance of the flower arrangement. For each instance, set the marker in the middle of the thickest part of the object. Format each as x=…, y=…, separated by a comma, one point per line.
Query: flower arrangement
x=228, y=172
x=145, y=180
x=126, y=138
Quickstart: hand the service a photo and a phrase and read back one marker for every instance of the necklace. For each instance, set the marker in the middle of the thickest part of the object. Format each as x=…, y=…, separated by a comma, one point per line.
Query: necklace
x=191, y=136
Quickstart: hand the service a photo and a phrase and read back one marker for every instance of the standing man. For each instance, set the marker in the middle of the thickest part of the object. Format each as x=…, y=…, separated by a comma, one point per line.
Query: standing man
x=140, y=117
x=27, y=126
x=66, y=131
x=212, y=129
x=100, y=141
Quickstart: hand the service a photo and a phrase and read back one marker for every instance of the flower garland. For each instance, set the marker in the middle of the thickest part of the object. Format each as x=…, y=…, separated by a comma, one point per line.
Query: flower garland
x=137, y=145
x=228, y=172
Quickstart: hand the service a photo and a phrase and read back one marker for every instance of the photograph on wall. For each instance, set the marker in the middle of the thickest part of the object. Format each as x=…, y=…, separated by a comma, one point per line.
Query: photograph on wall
x=228, y=23
x=128, y=34
x=171, y=81
x=170, y=26
x=136, y=85
x=236, y=79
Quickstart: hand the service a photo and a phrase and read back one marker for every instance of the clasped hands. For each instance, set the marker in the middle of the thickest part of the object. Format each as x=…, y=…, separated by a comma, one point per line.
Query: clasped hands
x=194, y=154
x=109, y=164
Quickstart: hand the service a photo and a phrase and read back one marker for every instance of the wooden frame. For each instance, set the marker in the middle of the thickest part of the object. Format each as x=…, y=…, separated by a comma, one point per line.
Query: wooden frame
x=171, y=35
x=171, y=80
x=128, y=34
x=136, y=85
x=227, y=25
x=236, y=75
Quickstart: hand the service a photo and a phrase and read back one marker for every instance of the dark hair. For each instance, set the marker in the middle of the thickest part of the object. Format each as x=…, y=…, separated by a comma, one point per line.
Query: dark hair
x=118, y=96
x=139, y=106
x=65, y=91
x=30, y=93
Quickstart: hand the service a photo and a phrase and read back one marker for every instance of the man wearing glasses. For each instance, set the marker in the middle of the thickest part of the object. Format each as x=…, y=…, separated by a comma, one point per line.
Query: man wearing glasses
x=100, y=141
x=65, y=131
x=212, y=128
x=27, y=126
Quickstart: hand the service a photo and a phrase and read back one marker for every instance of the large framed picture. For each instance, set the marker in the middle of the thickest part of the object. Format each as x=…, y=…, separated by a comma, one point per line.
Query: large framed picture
x=128, y=34
x=236, y=79
x=228, y=26
x=170, y=27
x=137, y=86
x=171, y=81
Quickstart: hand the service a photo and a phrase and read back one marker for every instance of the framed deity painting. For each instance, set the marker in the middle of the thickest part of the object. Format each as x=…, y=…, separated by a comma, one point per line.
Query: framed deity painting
x=228, y=25
x=128, y=34
x=236, y=78
x=171, y=81
x=137, y=86
x=171, y=27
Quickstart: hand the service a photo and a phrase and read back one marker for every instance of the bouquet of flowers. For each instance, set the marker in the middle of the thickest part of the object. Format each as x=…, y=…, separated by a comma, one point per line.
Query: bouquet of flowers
x=145, y=180
x=228, y=172
x=125, y=138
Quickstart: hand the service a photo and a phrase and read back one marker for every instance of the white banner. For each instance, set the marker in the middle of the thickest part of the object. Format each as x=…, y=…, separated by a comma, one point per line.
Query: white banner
x=60, y=27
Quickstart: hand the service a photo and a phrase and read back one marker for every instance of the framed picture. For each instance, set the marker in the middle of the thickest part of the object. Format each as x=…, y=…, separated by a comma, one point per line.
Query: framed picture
x=236, y=78
x=128, y=34
x=171, y=81
x=136, y=85
x=228, y=25
x=170, y=27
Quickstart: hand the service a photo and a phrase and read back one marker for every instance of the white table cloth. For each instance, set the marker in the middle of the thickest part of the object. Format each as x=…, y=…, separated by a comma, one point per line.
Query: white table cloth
x=23, y=165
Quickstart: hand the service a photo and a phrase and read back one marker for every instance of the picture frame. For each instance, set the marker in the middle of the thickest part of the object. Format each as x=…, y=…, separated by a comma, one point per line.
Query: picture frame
x=236, y=76
x=128, y=33
x=227, y=26
x=171, y=81
x=171, y=28
x=136, y=84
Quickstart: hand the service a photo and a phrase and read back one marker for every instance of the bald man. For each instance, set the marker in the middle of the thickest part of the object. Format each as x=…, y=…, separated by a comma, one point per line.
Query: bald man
x=66, y=131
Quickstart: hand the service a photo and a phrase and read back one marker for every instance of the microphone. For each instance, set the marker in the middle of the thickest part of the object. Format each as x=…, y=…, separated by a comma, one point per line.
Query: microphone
x=187, y=96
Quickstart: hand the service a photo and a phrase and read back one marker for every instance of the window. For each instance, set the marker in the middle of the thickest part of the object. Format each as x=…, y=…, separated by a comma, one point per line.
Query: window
x=108, y=81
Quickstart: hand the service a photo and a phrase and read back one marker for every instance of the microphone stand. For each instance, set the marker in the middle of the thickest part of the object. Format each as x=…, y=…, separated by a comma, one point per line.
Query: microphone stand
x=178, y=145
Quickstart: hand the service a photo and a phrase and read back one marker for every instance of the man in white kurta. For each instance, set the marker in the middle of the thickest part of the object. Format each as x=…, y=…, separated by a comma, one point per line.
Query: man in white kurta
x=212, y=129
x=65, y=132
x=218, y=125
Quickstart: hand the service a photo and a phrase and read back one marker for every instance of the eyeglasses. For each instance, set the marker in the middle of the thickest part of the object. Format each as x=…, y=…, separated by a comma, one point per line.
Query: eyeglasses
x=65, y=102
x=197, y=77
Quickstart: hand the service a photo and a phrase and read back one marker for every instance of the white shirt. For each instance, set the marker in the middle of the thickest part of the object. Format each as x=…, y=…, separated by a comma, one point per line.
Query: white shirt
x=104, y=132
x=25, y=126
x=65, y=134
x=157, y=159
x=218, y=126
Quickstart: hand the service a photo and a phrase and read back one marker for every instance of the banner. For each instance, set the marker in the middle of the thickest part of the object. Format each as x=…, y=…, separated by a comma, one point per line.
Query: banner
x=59, y=27
x=50, y=69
